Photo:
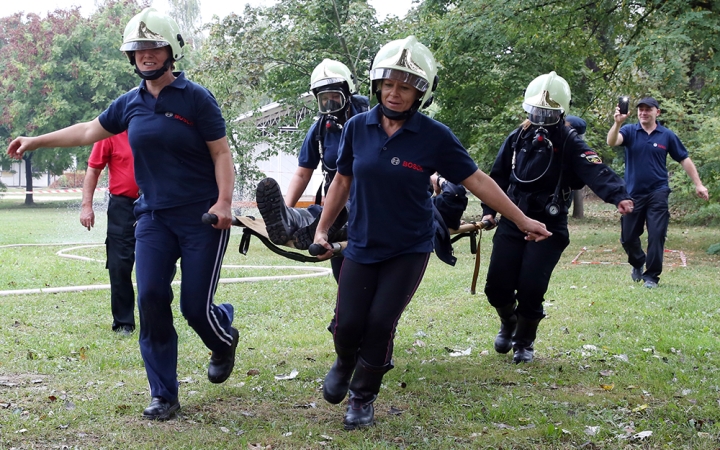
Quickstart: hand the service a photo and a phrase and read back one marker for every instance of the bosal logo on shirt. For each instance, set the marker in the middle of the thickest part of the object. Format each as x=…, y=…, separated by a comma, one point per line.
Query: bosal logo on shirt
x=179, y=117
x=411, y=165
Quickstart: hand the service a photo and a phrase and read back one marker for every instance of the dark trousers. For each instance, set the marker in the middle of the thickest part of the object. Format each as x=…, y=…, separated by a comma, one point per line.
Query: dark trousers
x=370, y=301
x=520, y=270
x=652, y=210
x=120, y=251
x=163, y=237
x=336, y=262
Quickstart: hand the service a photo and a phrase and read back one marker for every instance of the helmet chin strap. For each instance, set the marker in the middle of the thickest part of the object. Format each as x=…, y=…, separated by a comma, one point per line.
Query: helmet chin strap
x=154, y=74
x=394, y=115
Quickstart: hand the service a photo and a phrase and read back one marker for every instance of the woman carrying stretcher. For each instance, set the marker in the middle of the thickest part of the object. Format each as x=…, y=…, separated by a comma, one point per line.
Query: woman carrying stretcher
x=387, y=156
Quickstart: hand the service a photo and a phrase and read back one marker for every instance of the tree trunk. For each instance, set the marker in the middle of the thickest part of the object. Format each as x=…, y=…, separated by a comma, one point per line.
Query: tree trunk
x=578, y=199
x=28, y=179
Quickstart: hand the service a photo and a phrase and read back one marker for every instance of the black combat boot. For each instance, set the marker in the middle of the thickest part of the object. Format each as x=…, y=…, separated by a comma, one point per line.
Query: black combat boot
x=305, y=236
x=222, y=362
x=281, y=222
x=364, y=389
x=524, y=338
x=335, y=386
x=508, y=323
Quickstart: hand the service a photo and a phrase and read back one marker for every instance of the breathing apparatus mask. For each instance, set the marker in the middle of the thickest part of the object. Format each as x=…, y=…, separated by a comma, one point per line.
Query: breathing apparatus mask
x=546, y=101
x=541, y=139
x=333, y=103
x=542, y=116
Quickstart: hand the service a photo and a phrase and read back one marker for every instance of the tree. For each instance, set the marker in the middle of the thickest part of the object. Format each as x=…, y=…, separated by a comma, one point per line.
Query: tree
x=268, y=53
x=187, y=14
x=60, y=70
x=489, y=51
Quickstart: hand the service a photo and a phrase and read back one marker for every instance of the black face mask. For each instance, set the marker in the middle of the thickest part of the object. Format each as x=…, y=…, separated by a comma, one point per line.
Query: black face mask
x=154, y=74
x=332, y=105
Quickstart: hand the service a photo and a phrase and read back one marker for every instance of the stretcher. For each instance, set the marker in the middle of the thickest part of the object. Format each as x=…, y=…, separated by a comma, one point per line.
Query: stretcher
x=253, y=226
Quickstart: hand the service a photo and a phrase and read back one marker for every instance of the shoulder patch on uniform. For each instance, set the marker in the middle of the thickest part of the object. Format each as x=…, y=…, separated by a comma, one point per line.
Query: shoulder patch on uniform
x=591, y=157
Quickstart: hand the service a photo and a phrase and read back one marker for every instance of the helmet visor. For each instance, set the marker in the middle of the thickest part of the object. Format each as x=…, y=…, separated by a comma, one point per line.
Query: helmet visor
x=542, y=116
x=419, y=83
x=326, y=82
x=331, y=101
x=142, y=45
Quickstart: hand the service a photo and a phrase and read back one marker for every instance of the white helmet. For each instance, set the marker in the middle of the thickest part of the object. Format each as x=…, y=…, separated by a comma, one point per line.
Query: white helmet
x=547, y=99
x=150, y=29
x=332, y=84
x=409, y=61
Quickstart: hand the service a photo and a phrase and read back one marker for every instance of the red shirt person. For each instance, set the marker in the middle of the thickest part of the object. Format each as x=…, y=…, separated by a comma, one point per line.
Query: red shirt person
x=115, y=154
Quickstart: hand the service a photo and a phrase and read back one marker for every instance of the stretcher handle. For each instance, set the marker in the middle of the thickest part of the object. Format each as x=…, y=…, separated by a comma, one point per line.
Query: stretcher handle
x=212, y=219
x=317, y=249
x=487, y=225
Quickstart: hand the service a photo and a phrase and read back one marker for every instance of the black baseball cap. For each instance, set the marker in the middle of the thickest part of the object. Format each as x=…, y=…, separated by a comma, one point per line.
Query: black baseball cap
x=649, y=101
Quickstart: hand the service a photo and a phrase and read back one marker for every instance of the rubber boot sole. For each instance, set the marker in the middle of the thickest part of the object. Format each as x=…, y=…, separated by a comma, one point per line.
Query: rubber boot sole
x=270, y=202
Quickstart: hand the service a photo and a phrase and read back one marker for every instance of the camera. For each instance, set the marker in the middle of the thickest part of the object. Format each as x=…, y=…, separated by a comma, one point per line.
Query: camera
x=624, y=104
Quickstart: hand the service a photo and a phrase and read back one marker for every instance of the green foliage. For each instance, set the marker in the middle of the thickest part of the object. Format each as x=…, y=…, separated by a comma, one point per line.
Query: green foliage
x=187, y=14
x=705, y=214
x=59, y=70
x=489, y=52
x=267, y=54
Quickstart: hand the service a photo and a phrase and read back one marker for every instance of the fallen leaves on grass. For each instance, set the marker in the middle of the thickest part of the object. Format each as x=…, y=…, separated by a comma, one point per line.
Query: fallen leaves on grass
x=294, y=373
x=305, y=405
x=453, y=352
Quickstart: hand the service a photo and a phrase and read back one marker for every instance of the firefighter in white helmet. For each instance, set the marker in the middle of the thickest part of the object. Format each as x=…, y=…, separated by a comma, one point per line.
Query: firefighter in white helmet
x=333, y=85
x=387, y=157
x=184, y=169
x=538, y=166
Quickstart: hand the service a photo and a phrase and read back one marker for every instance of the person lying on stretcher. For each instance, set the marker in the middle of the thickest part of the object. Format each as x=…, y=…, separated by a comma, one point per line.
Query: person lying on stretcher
x=297, y=225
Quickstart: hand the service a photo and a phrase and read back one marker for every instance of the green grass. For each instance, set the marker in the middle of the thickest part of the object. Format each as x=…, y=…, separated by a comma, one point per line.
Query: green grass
x=610, y=354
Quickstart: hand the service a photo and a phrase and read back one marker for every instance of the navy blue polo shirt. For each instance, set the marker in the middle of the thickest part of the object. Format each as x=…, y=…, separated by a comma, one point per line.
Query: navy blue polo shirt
x=309, y=156
x=390, y=209
x=646, y=158
x=169, y=136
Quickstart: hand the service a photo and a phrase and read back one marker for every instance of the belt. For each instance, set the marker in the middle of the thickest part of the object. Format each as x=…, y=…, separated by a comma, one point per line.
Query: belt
x=122, y=197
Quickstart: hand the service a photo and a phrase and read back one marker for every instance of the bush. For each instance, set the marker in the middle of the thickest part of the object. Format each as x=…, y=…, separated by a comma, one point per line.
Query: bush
x=69, y=180
x=708, y=215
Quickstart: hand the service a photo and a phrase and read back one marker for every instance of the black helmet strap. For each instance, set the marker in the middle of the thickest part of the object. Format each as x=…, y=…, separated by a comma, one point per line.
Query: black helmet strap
x=394, y=115
x=154, y=74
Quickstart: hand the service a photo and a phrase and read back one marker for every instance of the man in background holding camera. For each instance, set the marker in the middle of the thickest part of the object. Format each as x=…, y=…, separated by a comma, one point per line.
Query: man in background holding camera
x=647, y=144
